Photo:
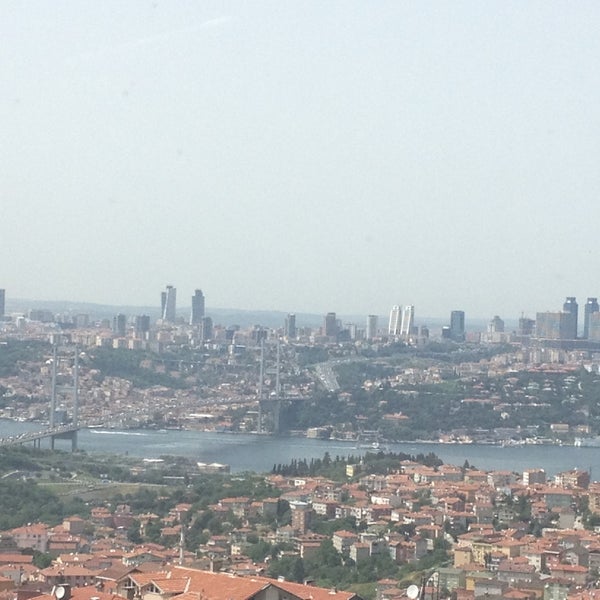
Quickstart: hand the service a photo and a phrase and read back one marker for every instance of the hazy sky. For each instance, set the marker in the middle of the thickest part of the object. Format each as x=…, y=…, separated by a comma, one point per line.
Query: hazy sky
x=302, y=156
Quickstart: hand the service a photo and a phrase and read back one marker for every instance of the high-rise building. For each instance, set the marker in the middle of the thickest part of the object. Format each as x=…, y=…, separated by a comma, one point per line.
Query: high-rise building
x=571, y=308
x=408, y=320
x=591, y=306
x=168, y=302
x=120, y=325
x=457, y=325
x=556, y=325
x=197, y=308
x=394, y=323
x=142, y=324
x=594, y=327
x=526, y=326
x=290, y=326
x=206, y=329
x=330, y=326
x=496, y=325
x=2, y=303
x=371, y=330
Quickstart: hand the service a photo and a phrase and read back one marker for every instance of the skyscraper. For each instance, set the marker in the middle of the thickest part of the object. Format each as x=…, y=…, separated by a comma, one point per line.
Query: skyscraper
x=206, y=329
x=408, y=320
x=290, y=326
x=330, y=325
x=120, y=325
x=496, y=325
x=168, y=304
x=457, y=325
x=371, y=330
x=142, y=324
x=394, y=323
x=571, y=308
x=591, y=306
x=2, y=303
x=554, y=325
x=197, y=308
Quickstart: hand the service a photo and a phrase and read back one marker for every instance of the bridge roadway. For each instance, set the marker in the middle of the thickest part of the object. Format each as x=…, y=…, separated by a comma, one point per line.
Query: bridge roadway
x=65, y=431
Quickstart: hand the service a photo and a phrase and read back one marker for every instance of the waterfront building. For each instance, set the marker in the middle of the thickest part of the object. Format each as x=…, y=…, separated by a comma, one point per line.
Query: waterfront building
x=371, y=330
x=408, y=321
x=571, y=308
x=394, y=323
x=197, y=308
x=290, y=326
x=168, y=301
x=457, y=325
x=591, y=307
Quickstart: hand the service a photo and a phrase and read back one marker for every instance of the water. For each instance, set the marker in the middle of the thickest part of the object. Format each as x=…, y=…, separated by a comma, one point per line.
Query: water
x=247, y=452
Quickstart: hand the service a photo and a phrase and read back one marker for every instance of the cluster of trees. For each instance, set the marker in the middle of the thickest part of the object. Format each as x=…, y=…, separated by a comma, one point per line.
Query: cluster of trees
x=14, y=353
x=127, y=364
x=373, y=463
x=26, y=502
x=328, y=568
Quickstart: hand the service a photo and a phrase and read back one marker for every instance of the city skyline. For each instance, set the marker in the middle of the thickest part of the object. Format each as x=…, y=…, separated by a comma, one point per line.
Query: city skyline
x=309, y=158
x=557, y=323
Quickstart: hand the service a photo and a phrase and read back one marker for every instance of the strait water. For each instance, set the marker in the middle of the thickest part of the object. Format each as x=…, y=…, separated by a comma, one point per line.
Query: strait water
x=247, y=452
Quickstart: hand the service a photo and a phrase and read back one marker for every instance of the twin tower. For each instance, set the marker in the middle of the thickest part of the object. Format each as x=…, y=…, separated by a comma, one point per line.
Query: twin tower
x=168, y=306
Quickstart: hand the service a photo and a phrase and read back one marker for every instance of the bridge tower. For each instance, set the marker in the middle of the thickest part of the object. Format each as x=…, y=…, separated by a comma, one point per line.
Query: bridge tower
x=65, y=384
x=272, y=403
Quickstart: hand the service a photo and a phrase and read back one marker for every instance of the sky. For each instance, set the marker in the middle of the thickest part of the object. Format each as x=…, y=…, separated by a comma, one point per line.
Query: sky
x=302, y=156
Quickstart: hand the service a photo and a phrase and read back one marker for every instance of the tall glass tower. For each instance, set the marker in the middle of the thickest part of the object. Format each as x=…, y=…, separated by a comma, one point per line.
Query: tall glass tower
x=571, y=307
x=591, y=306
x=457, y=325
x=197, y=308
x=168, y=300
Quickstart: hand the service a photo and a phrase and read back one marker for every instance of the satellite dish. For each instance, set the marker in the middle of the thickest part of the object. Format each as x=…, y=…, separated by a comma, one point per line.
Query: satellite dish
x=413, y=591
x=62, y=592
